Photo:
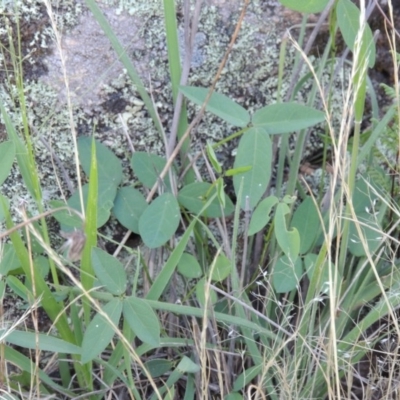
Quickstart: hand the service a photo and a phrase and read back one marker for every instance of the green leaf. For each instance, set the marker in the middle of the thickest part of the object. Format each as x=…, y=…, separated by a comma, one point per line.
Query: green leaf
x=348, y=17
x=106, y=196
x=142, y=320
x=66, y=218
x=371, y=235
x=7, y=156
x=221, y=268
x=255, y=150
x=42, y=265
x=220, y=192
x=159, y=221
x=99, y=332
x=219, y=104
x=286, y=275
x=246, y=377
x=288, y=240
x=305, y=6
x=261, y=217
x=129, y=205
x=9, y=260
x=286, y=117
x=163, y=278
x=202, y=290
x=306, y=221
x=110, y=271
x=109, y=166
x=158, y=367
x=195, y=195
x=19, y=288
x=187, y=366
x=29, y=340
x=25, y=161
x=4, y=203
x=233, y=396
x=148, y=167
x=364, y=198
x=213, y=158
x=189, y=267
x=310, y=262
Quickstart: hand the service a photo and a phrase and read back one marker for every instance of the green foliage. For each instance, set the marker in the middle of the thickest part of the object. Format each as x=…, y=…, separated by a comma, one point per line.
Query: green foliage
x=7, y=156
x=348, y=16
x=101, y=330
x=219, y=104
x=286, y=118
x=204, y=247
x=195, y=195
x=159, y=221
x=305, y=6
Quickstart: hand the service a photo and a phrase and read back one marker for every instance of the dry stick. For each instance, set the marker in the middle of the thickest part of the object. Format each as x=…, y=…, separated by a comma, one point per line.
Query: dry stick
x=195, y=121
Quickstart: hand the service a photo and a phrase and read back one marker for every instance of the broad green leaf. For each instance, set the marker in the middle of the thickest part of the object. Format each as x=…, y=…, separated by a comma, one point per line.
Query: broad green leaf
x=305, y=6
x=7, y=156
x=364, y=199
x=9, y=260
x=306, y=221
x=255, y=150
x=42, y=265
x=286, y=117
x=159, y=221
x=99, y=332
x=106, y=196
x=348, y=17
x=66, y=218
x=204, y=291
x=109, y=166
x=129, y=205
x=261, y=217
x=187, y=366
x=29, y=340
x=286, y=275
x=143, y=320
x=195, y=195
x=189, y=267
x=221, y=268
x=371, y=235
x=148, y=167
x=110, y=271
x=219, y=104
x=288, y=240
x=158, y=367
